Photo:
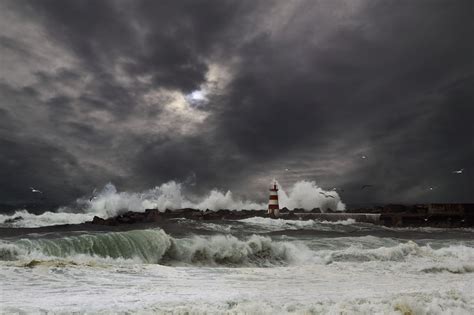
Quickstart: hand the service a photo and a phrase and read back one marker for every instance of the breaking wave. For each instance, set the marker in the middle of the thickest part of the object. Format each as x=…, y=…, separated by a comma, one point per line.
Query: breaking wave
x=283, y=224
x=110, y=202
x=154, y=246
x=157, y=247
x=22, y=218
x=399, y=252
x=307, y=195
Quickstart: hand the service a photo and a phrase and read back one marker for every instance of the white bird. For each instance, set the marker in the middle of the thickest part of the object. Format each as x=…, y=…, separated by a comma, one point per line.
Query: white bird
x=364, y=157
x=459, y=172
x=287, y=169
x=35, y=190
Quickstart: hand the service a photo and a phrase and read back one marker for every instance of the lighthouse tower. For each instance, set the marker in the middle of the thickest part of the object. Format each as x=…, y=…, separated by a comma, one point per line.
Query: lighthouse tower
x=273, y=207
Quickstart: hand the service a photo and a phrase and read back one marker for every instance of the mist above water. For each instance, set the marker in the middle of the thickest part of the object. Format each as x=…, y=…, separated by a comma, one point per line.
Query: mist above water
x=109, y=202
x=303, y=194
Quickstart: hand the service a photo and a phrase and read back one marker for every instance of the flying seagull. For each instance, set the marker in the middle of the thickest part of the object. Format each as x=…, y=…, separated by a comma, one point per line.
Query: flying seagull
x=326, y=195
x=364, y=157
x=458, y=172
x=35, y=191
x=93, y=194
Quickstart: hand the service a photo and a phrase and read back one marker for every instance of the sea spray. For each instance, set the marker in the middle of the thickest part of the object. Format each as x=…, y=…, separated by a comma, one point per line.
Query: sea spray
x=155, y=246
x=307, y=195
x=23, y=218
x=110, y=202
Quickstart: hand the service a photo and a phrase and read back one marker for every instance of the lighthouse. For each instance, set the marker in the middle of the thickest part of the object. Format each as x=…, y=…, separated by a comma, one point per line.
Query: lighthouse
x=273, y=207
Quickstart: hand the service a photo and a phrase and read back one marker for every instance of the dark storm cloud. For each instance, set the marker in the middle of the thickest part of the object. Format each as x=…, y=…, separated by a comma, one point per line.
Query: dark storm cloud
x=380, y=82
x=313, y=86
x=167, y=40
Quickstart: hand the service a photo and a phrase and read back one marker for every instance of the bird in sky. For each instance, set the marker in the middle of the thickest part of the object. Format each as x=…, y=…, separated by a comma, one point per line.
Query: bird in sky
x=364, y=157
x=35, y=191
x=459, y=171
x=327, y=195
x=93, y=195
x=287, y=169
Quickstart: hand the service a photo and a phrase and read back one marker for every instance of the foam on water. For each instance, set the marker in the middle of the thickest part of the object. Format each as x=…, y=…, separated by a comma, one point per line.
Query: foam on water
x=317, y=289
x=450, y=302
x=155, y=246
x=283, y=224
x=110, y=202
x=150, y=271
x=22, y=218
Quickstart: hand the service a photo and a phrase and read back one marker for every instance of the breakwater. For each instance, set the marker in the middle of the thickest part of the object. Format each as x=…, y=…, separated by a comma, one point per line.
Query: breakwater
x=436, y=215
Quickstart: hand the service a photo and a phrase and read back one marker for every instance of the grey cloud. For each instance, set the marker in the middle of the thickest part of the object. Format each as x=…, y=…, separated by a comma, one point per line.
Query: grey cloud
x=313, y=86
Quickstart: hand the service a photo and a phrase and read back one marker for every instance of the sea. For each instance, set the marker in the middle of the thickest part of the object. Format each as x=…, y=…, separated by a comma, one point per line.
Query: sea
x=250, y=266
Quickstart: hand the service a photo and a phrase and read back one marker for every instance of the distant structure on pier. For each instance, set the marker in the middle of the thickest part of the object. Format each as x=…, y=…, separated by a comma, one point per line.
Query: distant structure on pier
x=273, y=207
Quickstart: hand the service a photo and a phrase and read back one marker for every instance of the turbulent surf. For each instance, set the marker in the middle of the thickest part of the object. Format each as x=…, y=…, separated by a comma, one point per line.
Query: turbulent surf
x=256, y=265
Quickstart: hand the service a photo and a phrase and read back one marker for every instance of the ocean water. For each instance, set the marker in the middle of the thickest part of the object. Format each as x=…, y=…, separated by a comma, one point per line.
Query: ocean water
x=252, y=266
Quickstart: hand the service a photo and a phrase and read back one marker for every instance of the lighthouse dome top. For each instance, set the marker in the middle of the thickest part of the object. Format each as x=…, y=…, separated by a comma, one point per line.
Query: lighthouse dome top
x=274, y=187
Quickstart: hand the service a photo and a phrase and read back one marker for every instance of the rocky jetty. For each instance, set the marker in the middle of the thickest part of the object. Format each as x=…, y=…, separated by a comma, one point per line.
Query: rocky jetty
x=154, y=215
x=436, y=215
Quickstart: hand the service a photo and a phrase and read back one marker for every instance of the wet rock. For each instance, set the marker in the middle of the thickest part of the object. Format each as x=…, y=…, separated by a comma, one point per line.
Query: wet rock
x=13, y=220
x=98, y=220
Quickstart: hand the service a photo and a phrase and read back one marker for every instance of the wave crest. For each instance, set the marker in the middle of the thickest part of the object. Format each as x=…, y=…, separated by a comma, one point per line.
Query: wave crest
x=110, y=202
x=230, y=251
x=155, y=246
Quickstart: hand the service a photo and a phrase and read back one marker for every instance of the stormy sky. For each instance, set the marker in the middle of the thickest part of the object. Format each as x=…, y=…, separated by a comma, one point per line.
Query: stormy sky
x=230, y=94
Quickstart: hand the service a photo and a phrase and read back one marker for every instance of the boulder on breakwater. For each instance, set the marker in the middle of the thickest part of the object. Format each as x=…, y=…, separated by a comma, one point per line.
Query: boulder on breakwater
x=436, y=215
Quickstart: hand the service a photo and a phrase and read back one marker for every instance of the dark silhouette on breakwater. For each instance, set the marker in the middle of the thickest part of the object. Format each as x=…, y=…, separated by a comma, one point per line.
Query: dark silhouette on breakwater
x=434, y=215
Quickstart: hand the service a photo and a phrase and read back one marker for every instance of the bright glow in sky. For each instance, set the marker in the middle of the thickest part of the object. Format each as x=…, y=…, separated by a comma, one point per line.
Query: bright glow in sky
x=197, y=97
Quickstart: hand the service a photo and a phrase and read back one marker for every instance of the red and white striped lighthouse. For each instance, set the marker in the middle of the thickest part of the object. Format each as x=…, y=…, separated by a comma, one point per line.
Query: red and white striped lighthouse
x=273, y=207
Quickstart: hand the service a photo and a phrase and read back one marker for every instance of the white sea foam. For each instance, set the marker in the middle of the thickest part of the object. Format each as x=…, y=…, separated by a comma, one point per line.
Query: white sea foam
x=23, y=218
x=307, y=195
x=155, y=246
x=456, y=257
x=449, y=302
x=136, y=272
x=283, y=224
x=110, y=202
x=154, y=289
